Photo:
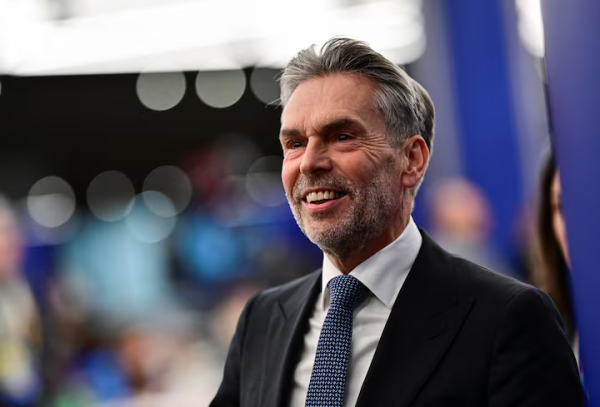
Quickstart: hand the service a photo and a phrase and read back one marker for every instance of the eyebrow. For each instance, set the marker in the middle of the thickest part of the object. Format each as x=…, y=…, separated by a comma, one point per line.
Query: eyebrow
x=327, y=128
x=340, y=124
x=289, y=133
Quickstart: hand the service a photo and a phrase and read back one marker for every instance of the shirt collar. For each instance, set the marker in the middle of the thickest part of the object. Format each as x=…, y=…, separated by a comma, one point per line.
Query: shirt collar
x=384, y=272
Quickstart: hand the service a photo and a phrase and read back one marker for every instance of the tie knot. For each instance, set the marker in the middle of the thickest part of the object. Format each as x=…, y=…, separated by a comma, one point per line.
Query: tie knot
x=346, y=291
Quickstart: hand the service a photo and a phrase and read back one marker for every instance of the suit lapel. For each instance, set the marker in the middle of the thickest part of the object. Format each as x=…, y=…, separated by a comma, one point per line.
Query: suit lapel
x=425, y=318
x=285, y=336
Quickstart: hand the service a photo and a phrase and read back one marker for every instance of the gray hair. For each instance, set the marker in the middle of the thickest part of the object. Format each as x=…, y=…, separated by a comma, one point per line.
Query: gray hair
x=406, y=106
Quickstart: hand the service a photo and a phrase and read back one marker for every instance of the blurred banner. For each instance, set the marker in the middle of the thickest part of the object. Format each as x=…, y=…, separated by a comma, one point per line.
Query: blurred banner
x=573, y=62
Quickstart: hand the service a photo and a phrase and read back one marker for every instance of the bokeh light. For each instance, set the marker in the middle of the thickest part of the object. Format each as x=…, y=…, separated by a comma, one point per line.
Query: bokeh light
x=263, y=182
x=220, y=89
x=145, y=224
x=159, y=204
x=171, y=182
x=51, y=202
x=161, y=91
x=264, y=85
x=110, y=196
x=39, y=235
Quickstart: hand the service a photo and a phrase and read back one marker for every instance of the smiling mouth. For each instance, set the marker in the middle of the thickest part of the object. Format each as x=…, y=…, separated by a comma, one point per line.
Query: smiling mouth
x=318, y=198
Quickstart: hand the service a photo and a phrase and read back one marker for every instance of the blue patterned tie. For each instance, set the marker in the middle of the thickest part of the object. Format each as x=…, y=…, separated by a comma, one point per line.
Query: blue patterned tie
x=328, y=380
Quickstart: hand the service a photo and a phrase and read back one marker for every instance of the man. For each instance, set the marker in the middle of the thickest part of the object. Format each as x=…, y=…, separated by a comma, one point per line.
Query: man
x=391, y=319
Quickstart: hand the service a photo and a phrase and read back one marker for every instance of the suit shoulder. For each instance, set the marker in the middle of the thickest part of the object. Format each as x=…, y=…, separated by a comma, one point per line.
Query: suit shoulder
x=467, y=278
x=498, y=298
x=483, y=282
x=282, y=292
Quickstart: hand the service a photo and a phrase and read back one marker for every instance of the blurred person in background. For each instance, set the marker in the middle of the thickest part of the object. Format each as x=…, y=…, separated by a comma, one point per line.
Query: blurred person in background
x=391, y=319
x=227, y=313
x=158, y=361
x=461, y=222
x=552, y=270
x=20, y=324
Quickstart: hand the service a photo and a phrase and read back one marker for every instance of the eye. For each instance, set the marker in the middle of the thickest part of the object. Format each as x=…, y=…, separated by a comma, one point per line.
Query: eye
x=343, y=137
x=294, y=144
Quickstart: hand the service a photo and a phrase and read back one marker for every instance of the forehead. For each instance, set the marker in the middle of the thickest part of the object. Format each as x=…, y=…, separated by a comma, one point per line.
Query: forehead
x=324, y=98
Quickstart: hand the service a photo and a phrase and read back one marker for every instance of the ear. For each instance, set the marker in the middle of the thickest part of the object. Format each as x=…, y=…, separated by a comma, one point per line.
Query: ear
x=415, y=155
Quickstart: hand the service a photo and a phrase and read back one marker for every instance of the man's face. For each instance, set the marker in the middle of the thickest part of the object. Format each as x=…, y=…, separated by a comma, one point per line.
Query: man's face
x=340, y=175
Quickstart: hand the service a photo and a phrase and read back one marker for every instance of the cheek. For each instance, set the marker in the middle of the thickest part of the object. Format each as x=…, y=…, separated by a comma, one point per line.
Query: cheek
x=289, y=173
x=361, y=169
x=357, y=166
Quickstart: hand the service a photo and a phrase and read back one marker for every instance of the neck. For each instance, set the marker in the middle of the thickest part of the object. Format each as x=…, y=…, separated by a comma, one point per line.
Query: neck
x=348, y=262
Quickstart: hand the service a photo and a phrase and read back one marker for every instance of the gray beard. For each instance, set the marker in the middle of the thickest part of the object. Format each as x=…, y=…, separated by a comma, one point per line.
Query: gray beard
x=372, y=208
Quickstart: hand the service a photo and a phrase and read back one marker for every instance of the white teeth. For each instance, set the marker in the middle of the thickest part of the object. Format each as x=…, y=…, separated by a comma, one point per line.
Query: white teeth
x=322, y=195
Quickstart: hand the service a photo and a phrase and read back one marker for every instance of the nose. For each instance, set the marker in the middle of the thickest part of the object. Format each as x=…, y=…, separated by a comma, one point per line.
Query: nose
x=315, y=158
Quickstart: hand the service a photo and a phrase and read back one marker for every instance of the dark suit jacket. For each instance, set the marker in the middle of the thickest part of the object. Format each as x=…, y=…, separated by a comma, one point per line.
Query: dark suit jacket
x=458, y=335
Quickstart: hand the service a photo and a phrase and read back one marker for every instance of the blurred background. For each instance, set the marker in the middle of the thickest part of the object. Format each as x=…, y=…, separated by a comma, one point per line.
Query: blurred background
x=140, y=195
